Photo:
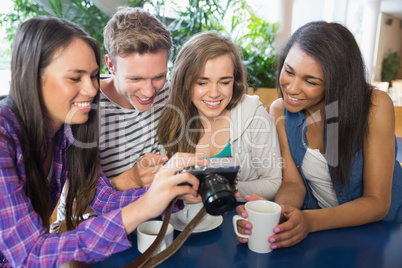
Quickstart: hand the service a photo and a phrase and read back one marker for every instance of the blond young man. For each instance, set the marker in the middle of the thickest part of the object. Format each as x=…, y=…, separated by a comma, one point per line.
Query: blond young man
x=133, y=97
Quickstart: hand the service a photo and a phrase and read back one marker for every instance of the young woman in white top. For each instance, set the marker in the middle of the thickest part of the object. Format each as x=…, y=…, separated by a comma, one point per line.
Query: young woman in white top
x=210, y=115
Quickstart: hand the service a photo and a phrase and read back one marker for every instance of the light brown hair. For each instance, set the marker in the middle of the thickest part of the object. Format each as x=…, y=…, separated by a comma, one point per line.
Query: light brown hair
x=187, y=69
x=135, y=30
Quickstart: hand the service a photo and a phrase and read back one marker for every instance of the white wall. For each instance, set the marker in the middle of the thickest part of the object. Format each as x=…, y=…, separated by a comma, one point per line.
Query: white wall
x=370, y=27
x=361, y=17
x=109, y=7
x=305, y=11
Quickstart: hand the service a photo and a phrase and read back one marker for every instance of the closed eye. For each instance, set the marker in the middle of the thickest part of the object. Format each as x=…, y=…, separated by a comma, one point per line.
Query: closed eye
x=95, y=76
x=311, y=83
x=225, y=82
x=288, y=71
x=160, y=77
x=313, y=80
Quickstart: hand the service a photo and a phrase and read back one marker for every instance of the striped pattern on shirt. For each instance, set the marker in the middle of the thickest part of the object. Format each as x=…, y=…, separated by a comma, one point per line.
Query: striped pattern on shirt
x=127, y=134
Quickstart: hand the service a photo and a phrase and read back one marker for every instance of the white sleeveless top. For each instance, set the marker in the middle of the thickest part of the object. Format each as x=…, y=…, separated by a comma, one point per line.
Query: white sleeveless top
x=315, y=169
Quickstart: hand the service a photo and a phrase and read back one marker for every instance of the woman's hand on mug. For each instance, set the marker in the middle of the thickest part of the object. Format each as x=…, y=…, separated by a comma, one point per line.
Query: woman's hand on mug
x=294, y=227
x=244, y=227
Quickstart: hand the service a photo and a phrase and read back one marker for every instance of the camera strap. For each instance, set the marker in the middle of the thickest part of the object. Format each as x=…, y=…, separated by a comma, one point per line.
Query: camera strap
x=145, y=260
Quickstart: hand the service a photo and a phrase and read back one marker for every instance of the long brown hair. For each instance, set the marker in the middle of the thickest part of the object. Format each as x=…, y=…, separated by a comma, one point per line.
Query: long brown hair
x=35, y=43
x=172, y=130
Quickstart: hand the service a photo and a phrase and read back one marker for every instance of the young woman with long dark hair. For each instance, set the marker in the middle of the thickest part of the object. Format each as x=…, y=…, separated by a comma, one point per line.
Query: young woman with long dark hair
x=337, y=138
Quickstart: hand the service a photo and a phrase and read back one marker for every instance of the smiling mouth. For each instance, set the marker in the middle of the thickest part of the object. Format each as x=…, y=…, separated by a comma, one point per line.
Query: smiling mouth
x=293, y=99
x=212, y=103
x=144, y=101
x=82, y=104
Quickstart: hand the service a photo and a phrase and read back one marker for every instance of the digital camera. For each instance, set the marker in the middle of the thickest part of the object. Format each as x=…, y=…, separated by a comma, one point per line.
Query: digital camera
x=218, y=185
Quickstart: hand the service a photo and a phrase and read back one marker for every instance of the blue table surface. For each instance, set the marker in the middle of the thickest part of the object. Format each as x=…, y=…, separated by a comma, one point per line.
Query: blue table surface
x=373, y=245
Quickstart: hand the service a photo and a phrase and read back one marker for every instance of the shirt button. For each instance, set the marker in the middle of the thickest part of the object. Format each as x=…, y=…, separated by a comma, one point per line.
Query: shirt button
x=304, y=143
x=297, y=166
x=341, y=192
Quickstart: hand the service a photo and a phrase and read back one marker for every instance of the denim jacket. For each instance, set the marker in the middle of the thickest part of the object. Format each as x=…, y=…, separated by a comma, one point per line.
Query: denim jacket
x=296, y=128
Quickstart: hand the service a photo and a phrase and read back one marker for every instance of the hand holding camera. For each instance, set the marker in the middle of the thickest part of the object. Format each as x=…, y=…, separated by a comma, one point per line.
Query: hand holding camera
x=217, y=184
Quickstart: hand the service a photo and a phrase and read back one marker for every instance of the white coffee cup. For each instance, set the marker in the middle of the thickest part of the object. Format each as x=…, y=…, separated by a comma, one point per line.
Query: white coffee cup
x=147, y=232
x=189, y=211
x=264, y=215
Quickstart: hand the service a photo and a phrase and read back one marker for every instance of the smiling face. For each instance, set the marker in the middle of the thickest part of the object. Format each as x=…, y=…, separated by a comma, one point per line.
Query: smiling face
x=138, y=78
x=302, y=82
x=213, y=90
x=69, y=84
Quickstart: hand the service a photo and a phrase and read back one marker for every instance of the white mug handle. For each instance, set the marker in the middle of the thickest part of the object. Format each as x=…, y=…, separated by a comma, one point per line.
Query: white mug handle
x=235, y=219
x=186, y=212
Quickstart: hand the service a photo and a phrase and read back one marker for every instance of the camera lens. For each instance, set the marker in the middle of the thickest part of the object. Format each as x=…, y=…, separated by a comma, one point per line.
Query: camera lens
x=216, y=194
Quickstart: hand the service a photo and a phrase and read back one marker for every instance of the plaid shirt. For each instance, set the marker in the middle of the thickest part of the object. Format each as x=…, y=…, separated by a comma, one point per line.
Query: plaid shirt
x=23, y=239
